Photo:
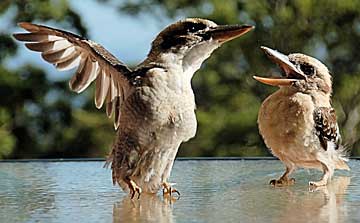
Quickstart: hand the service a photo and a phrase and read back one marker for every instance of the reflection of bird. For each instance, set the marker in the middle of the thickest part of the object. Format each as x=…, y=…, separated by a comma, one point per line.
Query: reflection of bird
x=297, y=122
x=325, y=204
x=153, y=104
x=149, y=208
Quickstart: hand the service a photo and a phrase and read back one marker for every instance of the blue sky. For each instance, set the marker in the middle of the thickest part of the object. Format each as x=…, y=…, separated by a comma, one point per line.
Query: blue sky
x=127, y=37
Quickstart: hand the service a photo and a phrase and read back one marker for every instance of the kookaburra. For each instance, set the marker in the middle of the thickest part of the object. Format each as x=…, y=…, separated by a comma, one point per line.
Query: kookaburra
x=153, y=104
x=297, y=122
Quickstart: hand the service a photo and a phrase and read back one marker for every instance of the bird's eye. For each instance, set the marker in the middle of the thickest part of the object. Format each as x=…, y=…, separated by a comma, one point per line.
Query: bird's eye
x=194, y=27
x=307, y=69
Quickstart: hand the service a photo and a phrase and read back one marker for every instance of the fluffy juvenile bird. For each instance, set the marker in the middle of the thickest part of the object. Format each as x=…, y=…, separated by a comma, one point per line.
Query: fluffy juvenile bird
x=297, y=122
x=153, y=104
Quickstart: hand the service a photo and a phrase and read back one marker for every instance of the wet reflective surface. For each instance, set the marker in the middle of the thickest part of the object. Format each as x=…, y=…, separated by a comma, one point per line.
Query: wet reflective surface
x=211, y=191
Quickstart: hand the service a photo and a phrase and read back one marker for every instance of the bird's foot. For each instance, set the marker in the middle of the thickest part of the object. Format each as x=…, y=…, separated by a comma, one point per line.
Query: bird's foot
x=134, y=188
x=282, y=182
x=317, y=183
x=169, y=190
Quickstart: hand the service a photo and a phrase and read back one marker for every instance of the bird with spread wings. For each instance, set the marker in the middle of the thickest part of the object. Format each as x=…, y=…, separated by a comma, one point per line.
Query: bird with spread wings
x=153, y=105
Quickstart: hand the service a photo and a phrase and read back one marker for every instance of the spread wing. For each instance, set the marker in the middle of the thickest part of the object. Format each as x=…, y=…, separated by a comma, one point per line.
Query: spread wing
x=326, y=127
x=66, y=51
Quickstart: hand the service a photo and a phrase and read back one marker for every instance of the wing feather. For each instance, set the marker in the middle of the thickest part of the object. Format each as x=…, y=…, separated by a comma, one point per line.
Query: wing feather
x=58, y=55
x=109, y=108
x=66, y=51
x=82, y=76
x=102, y=87
x=36, y=37
x=70, y=62
x=40, y=46
x=326, y=127
x=117, y=105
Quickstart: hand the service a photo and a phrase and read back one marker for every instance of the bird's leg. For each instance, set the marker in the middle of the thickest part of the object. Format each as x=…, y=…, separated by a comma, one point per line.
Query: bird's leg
x=284, y=180
x=328, y=172
x=169, y=190
x=134, y=188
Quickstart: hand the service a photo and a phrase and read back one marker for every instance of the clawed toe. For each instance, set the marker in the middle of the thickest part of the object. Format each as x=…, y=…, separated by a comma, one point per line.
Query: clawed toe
x=317, y=183
x=273, y=182
x=134, y=189
x=282, y=182
x=169, y=190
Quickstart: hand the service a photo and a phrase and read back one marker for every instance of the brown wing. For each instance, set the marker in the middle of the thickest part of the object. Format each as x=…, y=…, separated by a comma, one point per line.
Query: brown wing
x=326, y=127
x=66, y=51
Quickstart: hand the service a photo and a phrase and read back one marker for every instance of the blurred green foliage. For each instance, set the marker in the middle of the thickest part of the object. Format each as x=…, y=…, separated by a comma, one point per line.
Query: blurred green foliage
x=228, y=99
x=38, y=117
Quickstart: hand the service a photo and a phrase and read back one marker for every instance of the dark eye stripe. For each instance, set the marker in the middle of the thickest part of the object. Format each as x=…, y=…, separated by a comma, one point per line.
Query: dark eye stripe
x=172, y=41
x=175, y=37
x=194, y=27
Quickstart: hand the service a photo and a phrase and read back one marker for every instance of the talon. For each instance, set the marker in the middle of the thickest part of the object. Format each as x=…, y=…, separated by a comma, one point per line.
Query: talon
x=282, y=182
x=166, y=188
x=132, y=194
x=174, y=191
x=139, y=192
x=272, y=182
x=134, y=189
x=169, y=190
x=317, y=183
x=276, y=183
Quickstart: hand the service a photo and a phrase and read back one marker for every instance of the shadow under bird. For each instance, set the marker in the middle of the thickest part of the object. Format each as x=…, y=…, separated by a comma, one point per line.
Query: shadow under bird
x=153, y=104
x=297, y=122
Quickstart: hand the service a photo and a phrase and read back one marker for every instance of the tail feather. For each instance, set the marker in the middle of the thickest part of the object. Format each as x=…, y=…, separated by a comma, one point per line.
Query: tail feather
x=343, y=152
x=110, y=163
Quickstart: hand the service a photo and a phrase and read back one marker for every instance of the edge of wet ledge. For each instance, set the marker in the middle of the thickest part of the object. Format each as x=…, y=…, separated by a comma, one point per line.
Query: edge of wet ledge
x=177, y=159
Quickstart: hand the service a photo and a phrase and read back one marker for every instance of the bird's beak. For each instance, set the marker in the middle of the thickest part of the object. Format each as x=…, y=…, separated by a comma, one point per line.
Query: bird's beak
x=292, y=73
x=275, y=81
x=224, y=33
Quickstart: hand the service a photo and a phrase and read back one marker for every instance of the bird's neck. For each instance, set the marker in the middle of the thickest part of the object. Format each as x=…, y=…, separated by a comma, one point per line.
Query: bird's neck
x=319, y=98
x=174, y=76
x=185, y=61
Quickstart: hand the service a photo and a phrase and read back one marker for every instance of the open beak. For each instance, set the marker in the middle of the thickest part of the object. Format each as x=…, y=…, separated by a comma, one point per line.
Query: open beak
x=292, y=73
x=224, y=33
x=275, y=81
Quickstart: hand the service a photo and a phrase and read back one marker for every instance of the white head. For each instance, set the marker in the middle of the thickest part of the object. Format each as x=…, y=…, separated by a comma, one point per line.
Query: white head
x=300, y=72
x=191, y=41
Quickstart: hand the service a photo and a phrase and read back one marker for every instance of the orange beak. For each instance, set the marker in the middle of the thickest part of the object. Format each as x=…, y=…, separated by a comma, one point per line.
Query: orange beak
x=286, y=65
x=224, y=33
x=275, y=81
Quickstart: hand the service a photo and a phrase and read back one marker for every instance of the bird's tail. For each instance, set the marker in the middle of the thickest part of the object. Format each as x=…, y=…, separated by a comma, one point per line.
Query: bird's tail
x=110, y=162
x=343, y=154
